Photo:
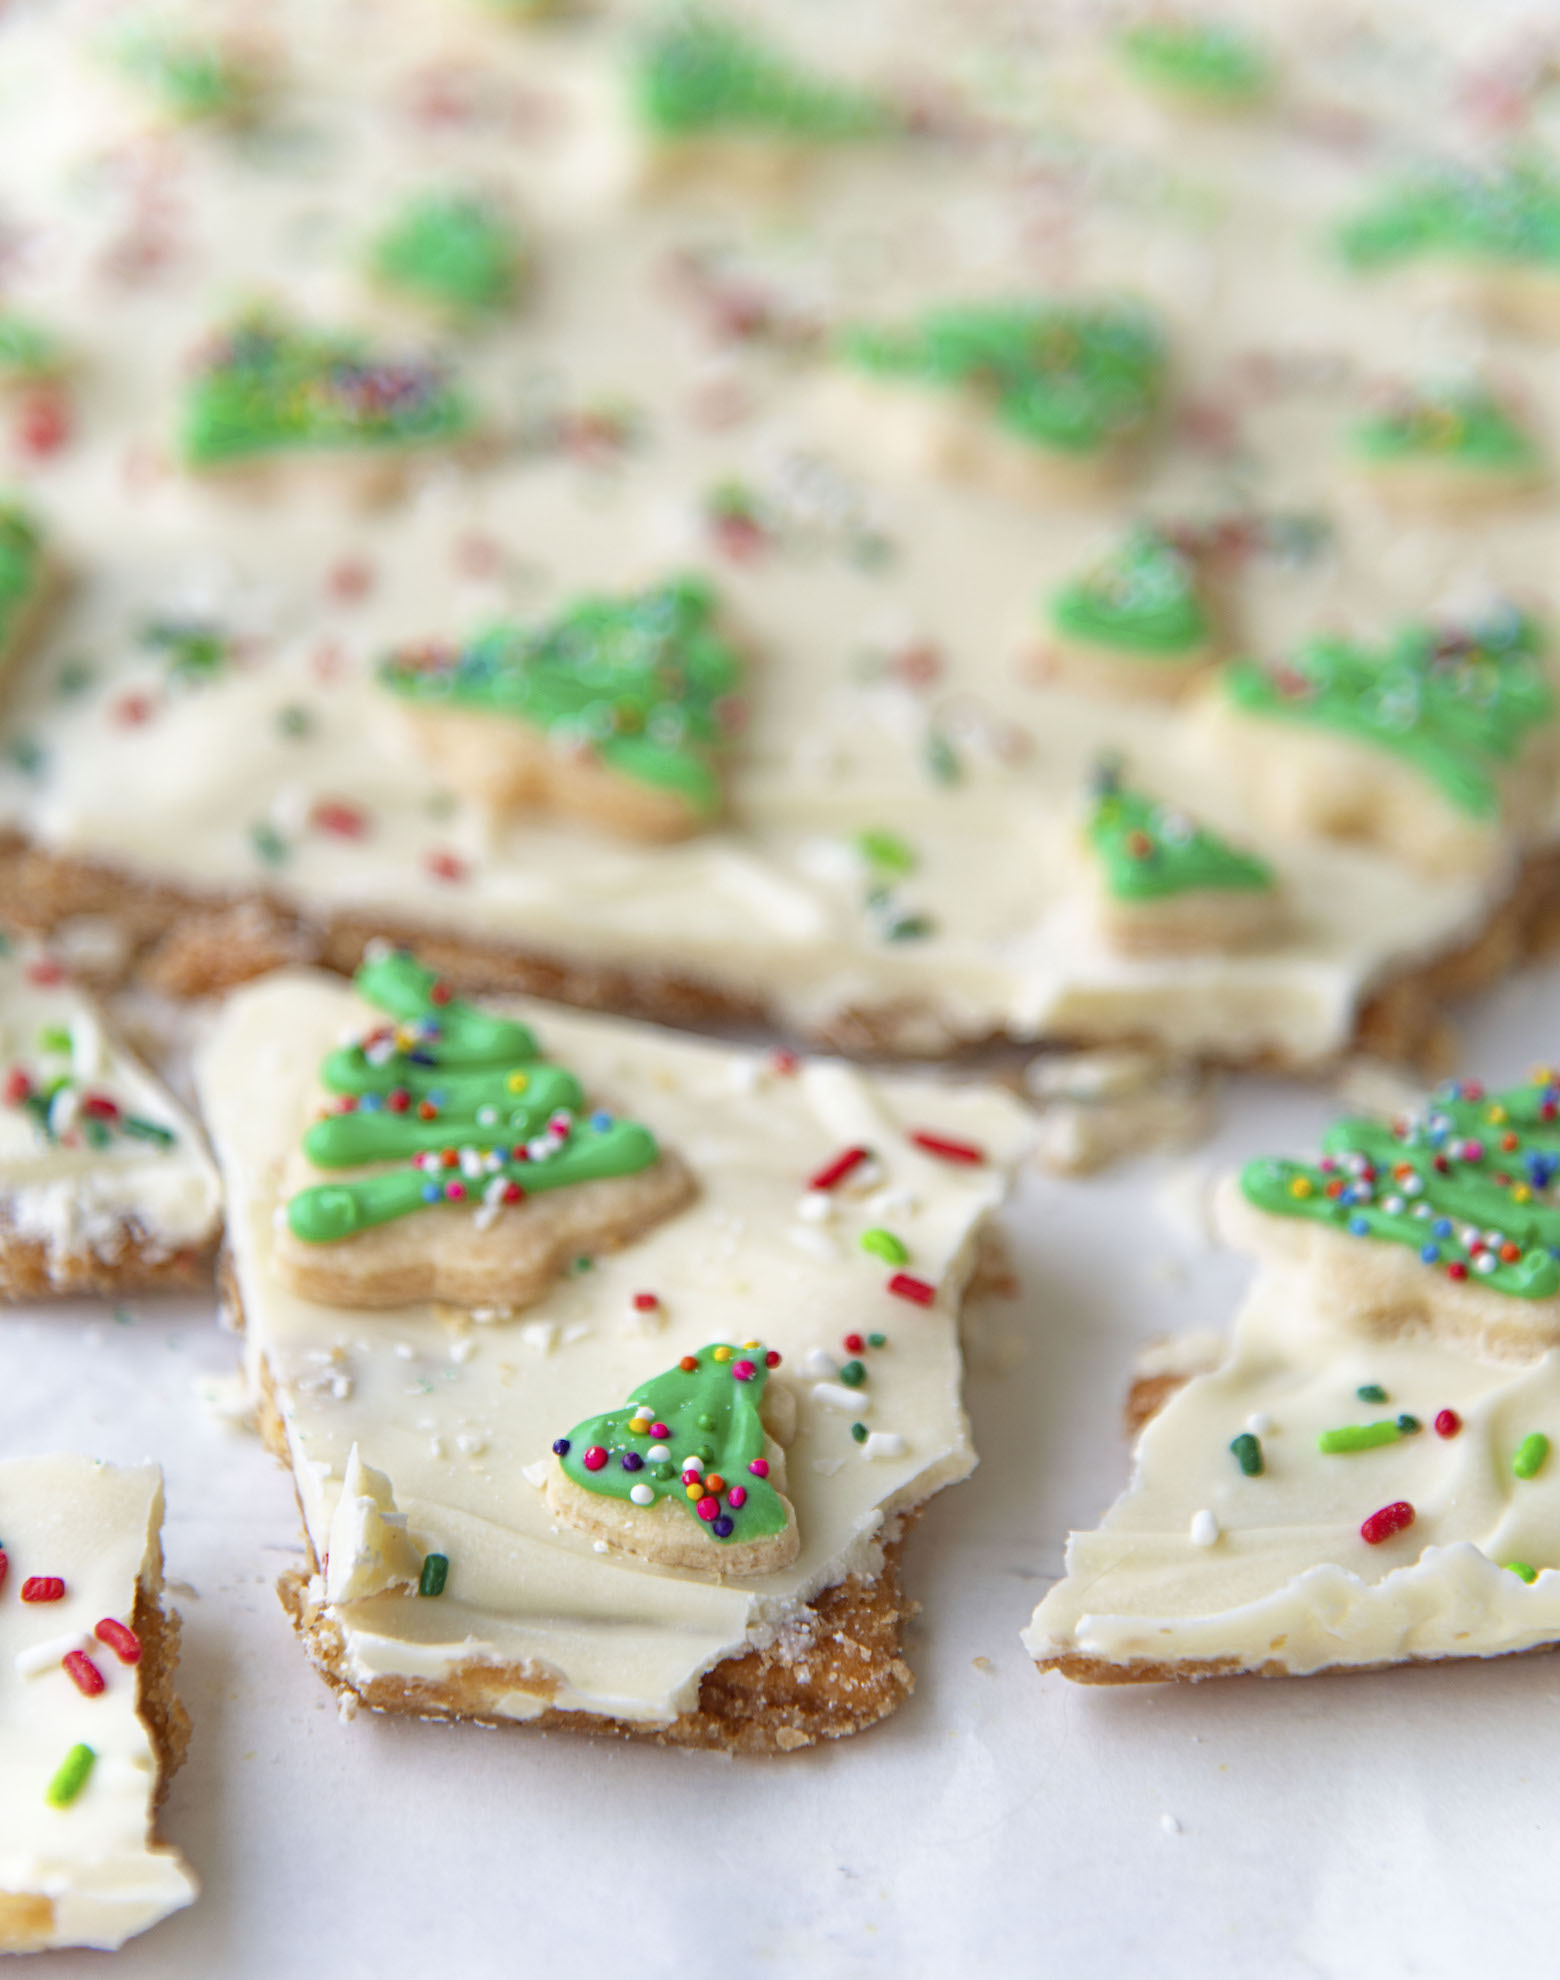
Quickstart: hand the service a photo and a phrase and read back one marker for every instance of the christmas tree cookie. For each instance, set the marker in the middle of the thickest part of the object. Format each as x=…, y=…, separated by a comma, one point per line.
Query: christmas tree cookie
x=452, y=1162
x=1134, y=623
x=690, y=1473
x=1167, y=885
x=1368, y=1475
x=90, y=1727
x=457, y=254
x=710, y=97
x=1212, y=68
x=1434, y=748
x=616, y=712
x=1496, y=227
x=1038, y=398
x=195, y=78
x=105, y=1185
x=30, y=581
x=1447, y=450
x=269, y=395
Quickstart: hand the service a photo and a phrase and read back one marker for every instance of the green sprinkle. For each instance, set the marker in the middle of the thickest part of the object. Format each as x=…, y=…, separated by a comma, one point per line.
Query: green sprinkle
x=887, y=851
x=908, y=928
x=75, y=677
x=145, y=1130
x=583, y=1263
x=1521, y=1570
x=25, y=754
x=877, y=1340
x=1371, y=1392
x=293, y=721
x=853, y=1374
x=1530, y=1456
x=1409, y=1425
x=71, y=1777
x=1248, y=1454
x=859, y=1432
x=435, y=1572
x=54, y=1038
x=942, y=759
x=268, y=843
x=1358, y=1437
x=883, y=1244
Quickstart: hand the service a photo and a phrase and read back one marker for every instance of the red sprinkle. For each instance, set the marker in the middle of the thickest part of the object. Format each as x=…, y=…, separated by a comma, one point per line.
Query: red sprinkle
x=100, y=1107
x=904, y=1285
x=594, y=1458
x=707, y=1507
x=945, y=1146
x=1448, y=1423
x=44, y=425
x=131, y=710
x=854, y=1343
x=688, y=1363
x=43, y=1588
x=772, y=1358
x=398, y=1101
x=341, y=820
x=836, y=1171
x=743, y=1371
x=441, y=993
x=124, y=1643
x=4, y=1566
x=736, y=1498
x=351, y=578
x=447, y=866
x=759, y=1467
x=646, y=1302
x=1457, y=1269
x=84, y=1674
x=785, y=1062
x=17, y=1087
x=45, y=972
x=1390, y=1520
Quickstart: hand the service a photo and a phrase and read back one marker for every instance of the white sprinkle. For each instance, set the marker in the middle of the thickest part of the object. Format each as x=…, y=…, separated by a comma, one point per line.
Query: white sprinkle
x=818, y=1244
x=658, y=1454
x=46, y=1656
x=463, y=1349
x=1204, y=1529
x=1259, y=1423
x=1170, y=1825
x=883, y=1444
x=471, y=1443
x=436, y=1447
x=405, y=1350
x=577, y=1330
x=816, y=1207
x=821, y=1363
x=536, y=1474
x=743, y=1075
x=642, y=1495
x=837, y=1396
x=541, y=1336
x=691, y=1463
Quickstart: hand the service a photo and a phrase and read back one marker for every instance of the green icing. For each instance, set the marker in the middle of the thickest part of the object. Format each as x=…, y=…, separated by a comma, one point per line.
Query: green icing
x=646, y=682
x=267, y=386
x=1469, y=1183
x=1458, y=704
x=1463, y=424
x=706, y=1408
x=1068, y=377
x=698, y=73
x=21, y=562
x=454, y=249
x=29, y=354
x=1142, y=599
x=192, y=78
x=1150, y=851
x=1214, y=61
x=462, y=1100
x=1508, y=212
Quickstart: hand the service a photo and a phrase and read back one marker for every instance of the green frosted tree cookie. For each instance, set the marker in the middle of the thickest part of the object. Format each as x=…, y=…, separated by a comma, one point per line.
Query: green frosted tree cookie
x=1508, y=213
x=267, y=387
x=1151, y=851
x=192, y=78
x=1213, y=65
x=1141, y=599
x=699, y=75
x=1469, y=1184
x=455, y=251
x=1456, y=424
x=1065, y=378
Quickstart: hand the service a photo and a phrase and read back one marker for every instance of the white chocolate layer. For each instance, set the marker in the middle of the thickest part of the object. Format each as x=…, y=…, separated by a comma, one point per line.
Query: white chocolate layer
x=97, y=1527
x=460, y=1419
x=1224, y=237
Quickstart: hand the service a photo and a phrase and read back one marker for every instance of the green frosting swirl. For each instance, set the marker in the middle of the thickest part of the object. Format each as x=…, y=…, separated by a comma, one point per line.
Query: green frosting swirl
x=1216, y=62
x=645, y=682
x=1458, y=704
x=698, y=73
x=192, y=77
x=1142, y=599
x=1069, y=378
x=1460, y=424
x=706, y=1408
x=267, y=387
x=453, y=249
x=21, y=566
x=1507, y=212
x=29, y=354
x=1469, y=1183
x=462, y=1099
x=1150, y=851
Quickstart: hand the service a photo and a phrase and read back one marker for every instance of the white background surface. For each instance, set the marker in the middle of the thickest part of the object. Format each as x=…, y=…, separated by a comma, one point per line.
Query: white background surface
x=1395, y=1824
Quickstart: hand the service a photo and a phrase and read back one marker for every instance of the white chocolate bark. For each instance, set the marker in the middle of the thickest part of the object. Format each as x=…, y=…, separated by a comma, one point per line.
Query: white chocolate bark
x=91, y=1864
x=75, y=1197
x=1198, y=1565
x=771, y=905
x=460, y=1419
